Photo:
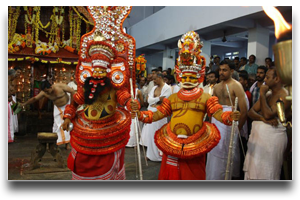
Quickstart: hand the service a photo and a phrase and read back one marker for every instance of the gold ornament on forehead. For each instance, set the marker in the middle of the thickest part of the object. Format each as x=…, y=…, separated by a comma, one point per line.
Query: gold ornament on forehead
x=98, y=36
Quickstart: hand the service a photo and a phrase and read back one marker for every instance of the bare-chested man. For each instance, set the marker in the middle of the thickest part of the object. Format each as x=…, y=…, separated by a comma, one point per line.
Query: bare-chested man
x=217, y=157
x=58, y=94
x=268, y=139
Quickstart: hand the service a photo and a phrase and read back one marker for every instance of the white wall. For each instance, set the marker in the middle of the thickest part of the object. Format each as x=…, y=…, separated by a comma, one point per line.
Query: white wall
x=173, y=21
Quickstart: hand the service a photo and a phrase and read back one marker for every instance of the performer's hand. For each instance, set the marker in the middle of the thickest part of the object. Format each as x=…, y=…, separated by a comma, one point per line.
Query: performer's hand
x=66, y=124
x=134, y=108
x=235, y=115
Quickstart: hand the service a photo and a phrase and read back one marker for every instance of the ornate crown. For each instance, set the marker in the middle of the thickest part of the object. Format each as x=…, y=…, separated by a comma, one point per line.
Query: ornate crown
x=189, y=59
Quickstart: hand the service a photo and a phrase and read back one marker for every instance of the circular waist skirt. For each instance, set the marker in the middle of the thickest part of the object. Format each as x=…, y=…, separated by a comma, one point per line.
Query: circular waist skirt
x=102, y=136
x=197, y=144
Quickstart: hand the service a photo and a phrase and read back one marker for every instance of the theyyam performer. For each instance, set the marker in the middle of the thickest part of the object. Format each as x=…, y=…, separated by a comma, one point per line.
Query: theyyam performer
x=186, y=139
x=101, y=130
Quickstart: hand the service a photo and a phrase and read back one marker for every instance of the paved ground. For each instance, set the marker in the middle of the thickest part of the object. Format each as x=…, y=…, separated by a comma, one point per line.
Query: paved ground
x=19, y=156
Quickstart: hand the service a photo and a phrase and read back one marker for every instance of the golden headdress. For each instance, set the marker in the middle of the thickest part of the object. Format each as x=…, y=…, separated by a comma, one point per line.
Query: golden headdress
x=107, y=47
x=189, y=59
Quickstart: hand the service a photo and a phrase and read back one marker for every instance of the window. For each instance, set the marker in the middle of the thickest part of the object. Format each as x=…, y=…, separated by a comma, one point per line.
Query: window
x=232, y=55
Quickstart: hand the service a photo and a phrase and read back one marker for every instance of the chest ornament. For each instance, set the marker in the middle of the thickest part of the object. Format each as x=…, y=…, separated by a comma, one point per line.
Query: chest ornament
x=188, y=95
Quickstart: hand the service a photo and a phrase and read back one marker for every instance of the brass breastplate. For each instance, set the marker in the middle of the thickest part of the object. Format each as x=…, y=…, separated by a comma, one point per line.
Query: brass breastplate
x=103, y=107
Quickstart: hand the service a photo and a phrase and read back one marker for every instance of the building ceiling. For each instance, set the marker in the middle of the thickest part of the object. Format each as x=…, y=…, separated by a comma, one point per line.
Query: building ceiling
x=235, y=31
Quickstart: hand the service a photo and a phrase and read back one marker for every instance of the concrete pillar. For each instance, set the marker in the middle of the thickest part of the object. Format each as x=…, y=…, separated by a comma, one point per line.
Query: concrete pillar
x=206, y=50
x=258, y=44
x=168, y=58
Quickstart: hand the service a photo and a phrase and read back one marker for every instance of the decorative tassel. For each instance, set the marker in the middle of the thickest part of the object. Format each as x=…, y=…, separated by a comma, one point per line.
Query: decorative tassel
x=93, y=90
x=91, y=96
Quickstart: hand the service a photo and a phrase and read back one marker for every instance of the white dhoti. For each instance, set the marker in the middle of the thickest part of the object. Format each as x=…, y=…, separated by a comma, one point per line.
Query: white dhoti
x=148, y=132
x=15, y=117
x=266, y=147
x=10, y=127
x=217, y=157
x=147, y=138
x=132, y=140
x=63, y=136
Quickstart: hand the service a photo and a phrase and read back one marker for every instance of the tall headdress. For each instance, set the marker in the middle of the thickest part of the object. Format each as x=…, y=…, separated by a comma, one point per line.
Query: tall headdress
x=107, y=47
x=189, y=59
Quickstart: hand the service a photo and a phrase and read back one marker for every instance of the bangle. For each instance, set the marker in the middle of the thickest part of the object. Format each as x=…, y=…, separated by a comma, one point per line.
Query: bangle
x=79, y=99
x=146, y=116
x=227, y=120
x=212, y=106
x=70, y=112
x=165, y=107
x=122, y=97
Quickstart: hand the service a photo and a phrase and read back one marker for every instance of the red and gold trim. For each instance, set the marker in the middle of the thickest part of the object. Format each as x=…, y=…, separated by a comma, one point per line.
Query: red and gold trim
x=189, y=95
x=122, y=97
x=78, y=98
x=146, y=116
x=165, y=107
x=70, y=112
x=199, y=143
x=227, y=120
x=103, y=136
x=212, y=105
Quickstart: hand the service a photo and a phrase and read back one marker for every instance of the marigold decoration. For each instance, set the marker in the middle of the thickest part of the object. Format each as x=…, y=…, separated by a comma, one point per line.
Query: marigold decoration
x=189, y=59
x=42, y=48
x=18, y=42
x=140, y=63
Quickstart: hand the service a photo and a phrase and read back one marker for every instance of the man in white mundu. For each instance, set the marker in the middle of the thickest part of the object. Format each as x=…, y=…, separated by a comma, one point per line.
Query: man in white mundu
x=160, y=91
x=58, y=93
x=217, y=157
x=268, y=139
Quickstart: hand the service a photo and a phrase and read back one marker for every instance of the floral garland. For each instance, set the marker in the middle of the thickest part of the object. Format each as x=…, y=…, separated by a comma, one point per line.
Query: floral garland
x=12, y=22
x=61, y=15
x=17, y=43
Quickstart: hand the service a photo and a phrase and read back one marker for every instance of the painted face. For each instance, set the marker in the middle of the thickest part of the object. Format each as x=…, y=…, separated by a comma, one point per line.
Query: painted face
x=189, y=80
x=99, y=73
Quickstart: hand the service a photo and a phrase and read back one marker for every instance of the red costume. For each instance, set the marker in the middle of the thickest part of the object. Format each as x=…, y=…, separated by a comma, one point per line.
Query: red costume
x=101, y=129
x=186, y=139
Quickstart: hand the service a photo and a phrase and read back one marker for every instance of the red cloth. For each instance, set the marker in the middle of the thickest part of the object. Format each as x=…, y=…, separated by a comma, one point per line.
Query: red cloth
x=249, y=95
x=182, y=169
x=97, y=167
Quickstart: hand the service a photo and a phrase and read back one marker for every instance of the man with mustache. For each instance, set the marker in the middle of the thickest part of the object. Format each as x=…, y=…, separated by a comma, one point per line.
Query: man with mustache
x=217, y=157
x=260, y=77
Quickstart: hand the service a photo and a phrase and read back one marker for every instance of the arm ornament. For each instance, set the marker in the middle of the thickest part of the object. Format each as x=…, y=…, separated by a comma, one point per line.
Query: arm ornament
x=122, y=97
x=146, y=116
x=212, y=105
x=227, y=120
x=165, y=107
x=128, y=105
x=70, y=112
x=79, y=99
